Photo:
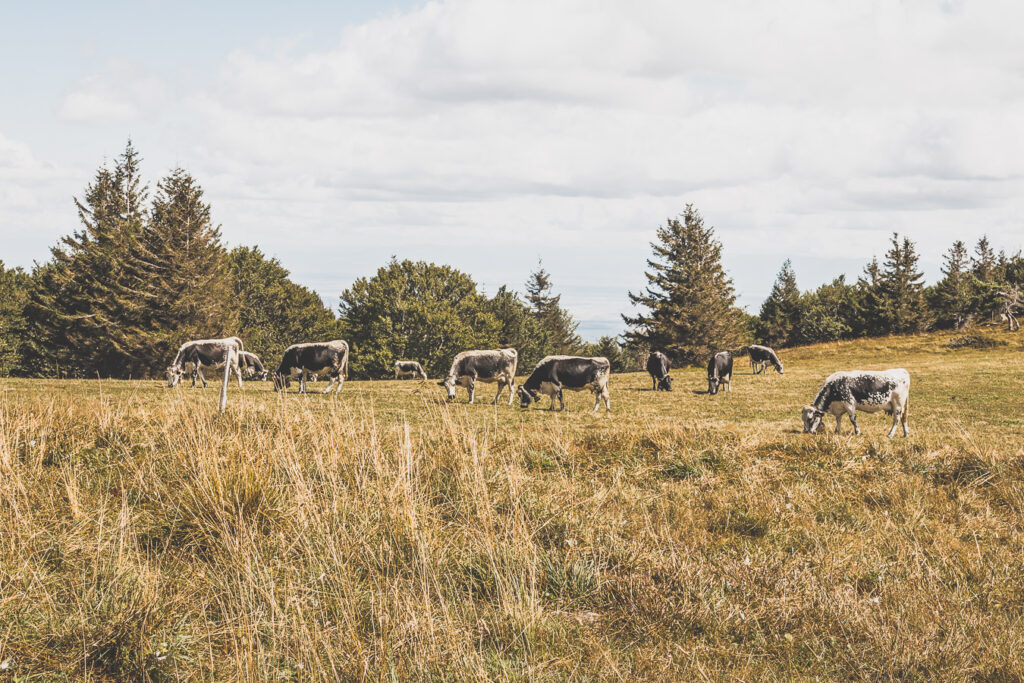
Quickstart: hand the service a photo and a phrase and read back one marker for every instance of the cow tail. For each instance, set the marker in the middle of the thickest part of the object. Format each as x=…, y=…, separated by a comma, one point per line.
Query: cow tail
x=344, y=369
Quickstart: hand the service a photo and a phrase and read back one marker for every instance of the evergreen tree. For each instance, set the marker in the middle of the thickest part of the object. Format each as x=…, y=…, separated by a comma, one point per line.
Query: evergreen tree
x=868, y=318
x=15, y=285
x=415, y=311
x=689, y=299
x=556, y=324
x=185, y=278
x=273, y=311
x=86, y=305
x=827, y=314
x=984, y=262
x=952, y=299
x=518, y=328
x=901, y=289
x=780, y=311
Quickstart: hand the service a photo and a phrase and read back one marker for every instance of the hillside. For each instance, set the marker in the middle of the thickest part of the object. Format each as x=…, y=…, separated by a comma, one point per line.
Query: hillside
x=384, y=533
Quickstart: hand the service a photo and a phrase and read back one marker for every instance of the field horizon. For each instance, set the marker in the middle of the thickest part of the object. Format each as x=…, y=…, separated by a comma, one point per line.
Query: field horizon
x=385, y=533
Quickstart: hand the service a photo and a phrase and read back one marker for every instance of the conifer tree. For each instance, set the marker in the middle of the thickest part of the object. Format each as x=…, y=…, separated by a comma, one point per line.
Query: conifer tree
x=86, y=304
x=518, y=328
x=779, y=312
x=689, y=299
x=14, y=290
x=901, y=289
x=984, y=262
x=556, y=324
x=952, y=298
x=183, y=270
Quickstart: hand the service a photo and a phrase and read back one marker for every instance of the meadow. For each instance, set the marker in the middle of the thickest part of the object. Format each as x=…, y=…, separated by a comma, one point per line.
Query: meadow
x=385, y=534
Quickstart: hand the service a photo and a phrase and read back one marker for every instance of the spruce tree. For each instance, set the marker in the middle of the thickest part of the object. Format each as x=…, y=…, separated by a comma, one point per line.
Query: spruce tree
x=86, y=305
x=183, y=270
x=779, y=312
x=984, y=262
x=901, y=289
x=952, y=297
x=689, y=299
x=556, y=324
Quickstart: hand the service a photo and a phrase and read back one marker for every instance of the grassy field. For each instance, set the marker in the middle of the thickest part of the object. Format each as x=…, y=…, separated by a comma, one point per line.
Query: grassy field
x=385, y=534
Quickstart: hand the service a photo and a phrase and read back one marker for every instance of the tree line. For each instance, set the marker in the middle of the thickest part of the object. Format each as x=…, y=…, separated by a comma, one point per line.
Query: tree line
x=146, y=271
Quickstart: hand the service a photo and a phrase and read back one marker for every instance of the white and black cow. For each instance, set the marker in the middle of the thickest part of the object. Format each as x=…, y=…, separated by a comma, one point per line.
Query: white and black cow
x=252, y=366
x=194, y=355
x=470, y=367
x=301, y=360
x=844, y=393
x=409, y=368
x=720, y=372
x=658, y=366
x=761, y=356
x=554, y=374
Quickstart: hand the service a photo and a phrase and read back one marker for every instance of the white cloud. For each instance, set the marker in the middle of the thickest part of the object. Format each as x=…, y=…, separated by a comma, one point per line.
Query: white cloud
x=488, y=132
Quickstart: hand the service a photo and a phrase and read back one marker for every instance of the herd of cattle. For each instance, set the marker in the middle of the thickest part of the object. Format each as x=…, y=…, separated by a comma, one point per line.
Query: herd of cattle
x=843, y=393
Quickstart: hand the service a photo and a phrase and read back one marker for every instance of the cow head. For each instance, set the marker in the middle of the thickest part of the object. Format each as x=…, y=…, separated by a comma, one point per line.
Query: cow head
x=778, y=367
x=526, y=397
x=665, y=383
x=811, y=417
x=449, y=384
x=174, y=374
x=281, y=381
x=713, y=384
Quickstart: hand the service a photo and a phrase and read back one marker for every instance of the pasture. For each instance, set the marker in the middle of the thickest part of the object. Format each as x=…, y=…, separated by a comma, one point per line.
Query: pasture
x=385, y=534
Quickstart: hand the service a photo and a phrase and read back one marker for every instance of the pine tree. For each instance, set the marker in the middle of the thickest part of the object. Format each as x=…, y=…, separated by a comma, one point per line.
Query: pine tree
x=556, y=323
x=86, y=305
x=518, y=328
x=183, y=271
x=952, y=298
x=984, y=262
x=780, y=311
x=689, y=300
x=901, y=289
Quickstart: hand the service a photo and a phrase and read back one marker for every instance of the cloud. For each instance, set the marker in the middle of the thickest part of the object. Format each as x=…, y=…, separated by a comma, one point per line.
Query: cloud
x=123, y=93
x=485, y=133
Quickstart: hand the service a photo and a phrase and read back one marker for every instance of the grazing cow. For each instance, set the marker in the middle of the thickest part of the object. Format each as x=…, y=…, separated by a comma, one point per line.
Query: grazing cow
x=720, y=372
x=409, y=368
x=658, y=366
x=761, y=356
x=554, y=374
x=469, y=367
x=252, y=366
x=193, y=355
x=844, y=393
x=304, y=359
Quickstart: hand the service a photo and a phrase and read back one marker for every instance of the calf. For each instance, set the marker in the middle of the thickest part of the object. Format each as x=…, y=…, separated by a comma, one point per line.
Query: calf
x=844, y=393
x=554, y=374
x=409, y=368
x=658, y=366
x=193, y=355
x=304, y=359
x=469, y=367
x=760, y=357
x=720, y=372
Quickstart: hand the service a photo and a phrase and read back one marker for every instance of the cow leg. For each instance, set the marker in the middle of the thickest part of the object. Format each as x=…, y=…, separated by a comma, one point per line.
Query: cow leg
x=903, y=417
x=561, y=400
x=607, y=398
x=597, y=400
x=302, y=380
x=471, y=389
x=330, y=383
x=198, y=371
x=728, y=383
x=501, y=385
x=839, y=421
x=552, y=406
x=511, y=390
x=341, y=380
x=852, y=412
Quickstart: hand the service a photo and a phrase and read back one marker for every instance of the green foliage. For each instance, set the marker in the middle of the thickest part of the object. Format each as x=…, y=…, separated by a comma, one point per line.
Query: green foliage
x=900, y=290
x=15, y=286
x=609, y=348
x=780, y=311
x=185, y=282
x=415, y=311
x=87, y=304
x=826, y=313
x=557, y=326
x=689, y=300
x=953, y=298
x=273, y=311
x=518, y=328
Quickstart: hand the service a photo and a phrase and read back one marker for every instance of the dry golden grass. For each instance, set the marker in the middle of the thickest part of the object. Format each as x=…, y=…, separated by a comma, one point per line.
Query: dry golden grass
x=384, y=534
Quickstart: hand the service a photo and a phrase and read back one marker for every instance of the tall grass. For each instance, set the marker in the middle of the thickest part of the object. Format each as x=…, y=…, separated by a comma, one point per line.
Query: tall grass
x=384, y=534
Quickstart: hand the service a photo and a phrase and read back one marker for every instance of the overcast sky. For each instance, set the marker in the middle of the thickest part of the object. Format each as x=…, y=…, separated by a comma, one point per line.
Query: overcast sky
x=485, y=134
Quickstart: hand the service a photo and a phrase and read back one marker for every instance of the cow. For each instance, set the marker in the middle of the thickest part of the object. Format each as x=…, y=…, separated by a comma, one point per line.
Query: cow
x=192, y=355
x=760, y=357
x=658, y=366
x=554, y=374
x=720, y=372
x=409, y=368
x=469, y=367
x=304, y=359
x=844, y=393
x=252, y=366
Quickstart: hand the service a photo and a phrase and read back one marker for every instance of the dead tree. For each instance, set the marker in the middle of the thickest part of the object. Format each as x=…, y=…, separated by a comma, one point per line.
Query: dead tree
x=1013, y=301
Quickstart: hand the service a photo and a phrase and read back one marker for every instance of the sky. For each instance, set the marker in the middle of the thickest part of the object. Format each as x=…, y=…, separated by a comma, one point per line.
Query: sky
x=488, y=134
